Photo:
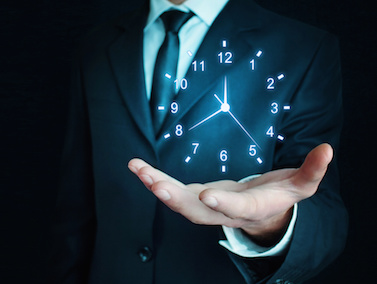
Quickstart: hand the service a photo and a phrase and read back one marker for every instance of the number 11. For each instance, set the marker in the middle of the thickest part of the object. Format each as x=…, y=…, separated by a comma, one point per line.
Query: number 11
x=195, y=65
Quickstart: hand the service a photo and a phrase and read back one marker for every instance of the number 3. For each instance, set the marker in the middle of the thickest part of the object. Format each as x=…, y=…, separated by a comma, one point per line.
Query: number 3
x=275, y=108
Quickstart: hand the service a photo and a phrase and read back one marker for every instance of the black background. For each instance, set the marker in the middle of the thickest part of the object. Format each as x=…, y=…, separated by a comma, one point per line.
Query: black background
x=37, y=40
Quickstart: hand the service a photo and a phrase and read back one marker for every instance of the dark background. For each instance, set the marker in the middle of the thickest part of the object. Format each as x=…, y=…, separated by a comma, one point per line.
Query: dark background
x=37, y=40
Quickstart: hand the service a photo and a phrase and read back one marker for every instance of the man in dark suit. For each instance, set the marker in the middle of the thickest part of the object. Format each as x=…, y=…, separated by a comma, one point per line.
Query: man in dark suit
x=231, y=124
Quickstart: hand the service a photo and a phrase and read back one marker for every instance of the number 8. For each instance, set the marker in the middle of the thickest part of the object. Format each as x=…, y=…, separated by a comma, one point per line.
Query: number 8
x=178, y=130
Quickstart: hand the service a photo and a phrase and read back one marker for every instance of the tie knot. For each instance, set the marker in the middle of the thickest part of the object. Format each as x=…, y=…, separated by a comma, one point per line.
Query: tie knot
x=174, y=20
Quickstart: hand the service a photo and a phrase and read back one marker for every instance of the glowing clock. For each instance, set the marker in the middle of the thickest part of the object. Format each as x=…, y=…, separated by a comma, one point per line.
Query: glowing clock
x=217, y=115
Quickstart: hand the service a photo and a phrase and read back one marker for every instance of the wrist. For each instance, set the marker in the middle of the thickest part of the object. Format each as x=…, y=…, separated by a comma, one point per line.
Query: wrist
x=269, y=232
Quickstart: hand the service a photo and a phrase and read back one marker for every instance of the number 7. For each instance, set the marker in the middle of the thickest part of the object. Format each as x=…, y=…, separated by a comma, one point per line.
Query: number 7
x=196, y=145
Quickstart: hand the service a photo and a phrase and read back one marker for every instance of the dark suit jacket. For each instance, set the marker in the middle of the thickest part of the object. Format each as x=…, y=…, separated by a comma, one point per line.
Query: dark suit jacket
x=110, y=229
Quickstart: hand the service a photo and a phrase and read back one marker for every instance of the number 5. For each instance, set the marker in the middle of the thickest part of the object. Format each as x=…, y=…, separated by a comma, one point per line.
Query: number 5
x=252, y=150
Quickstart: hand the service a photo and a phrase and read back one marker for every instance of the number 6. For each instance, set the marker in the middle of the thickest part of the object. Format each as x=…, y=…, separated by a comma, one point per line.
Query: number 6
x=223, y=155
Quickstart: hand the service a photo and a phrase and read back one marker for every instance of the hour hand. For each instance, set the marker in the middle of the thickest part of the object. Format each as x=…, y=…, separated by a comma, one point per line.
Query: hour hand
x=225, y=107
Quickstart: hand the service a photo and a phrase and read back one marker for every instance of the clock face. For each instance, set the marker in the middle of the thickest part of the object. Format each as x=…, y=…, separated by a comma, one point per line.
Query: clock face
x=227, y=125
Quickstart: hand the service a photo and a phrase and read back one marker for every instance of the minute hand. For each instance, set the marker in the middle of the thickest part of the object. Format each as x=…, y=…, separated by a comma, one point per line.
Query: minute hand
x=225, y=92
x=243, y=128
x=225, y=107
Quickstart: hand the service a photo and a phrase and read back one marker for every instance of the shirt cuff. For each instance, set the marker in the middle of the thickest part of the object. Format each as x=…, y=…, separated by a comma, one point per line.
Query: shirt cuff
x=239, y=243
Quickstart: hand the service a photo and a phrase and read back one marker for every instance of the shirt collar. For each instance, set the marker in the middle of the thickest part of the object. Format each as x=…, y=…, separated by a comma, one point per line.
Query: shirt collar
x=206, y=10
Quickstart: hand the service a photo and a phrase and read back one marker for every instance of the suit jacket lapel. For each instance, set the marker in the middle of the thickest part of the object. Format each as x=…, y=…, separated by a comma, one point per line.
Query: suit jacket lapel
x=231, y=26
x=126, y=57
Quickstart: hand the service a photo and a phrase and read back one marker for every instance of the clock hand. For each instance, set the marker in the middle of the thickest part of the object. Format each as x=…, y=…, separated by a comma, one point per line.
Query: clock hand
x=225, y=92
x=204, y=120
x=243, y=128
x=218, y=98
x=226, y=108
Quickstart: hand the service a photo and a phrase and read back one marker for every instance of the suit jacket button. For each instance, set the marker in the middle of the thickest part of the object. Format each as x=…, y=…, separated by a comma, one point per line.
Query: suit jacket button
x=145, y=254
x=282, y=281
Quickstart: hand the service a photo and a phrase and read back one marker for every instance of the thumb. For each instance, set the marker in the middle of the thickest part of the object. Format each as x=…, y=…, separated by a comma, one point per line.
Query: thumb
x=312, y=171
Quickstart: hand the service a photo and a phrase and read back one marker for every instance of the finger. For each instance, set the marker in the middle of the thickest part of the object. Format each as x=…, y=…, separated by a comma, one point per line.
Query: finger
x=310, y=174
x=149, y=175
x=254, y=205
x=136, y=164
x=235, y=205
x=228, y=185
x=187, y=203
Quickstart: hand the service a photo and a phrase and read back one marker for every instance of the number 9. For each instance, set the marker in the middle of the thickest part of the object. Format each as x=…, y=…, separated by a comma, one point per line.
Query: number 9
x=174, y=107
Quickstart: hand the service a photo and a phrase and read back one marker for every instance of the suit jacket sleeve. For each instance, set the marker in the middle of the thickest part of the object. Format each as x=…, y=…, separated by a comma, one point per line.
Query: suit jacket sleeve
x=74, y=224
x=321, y=227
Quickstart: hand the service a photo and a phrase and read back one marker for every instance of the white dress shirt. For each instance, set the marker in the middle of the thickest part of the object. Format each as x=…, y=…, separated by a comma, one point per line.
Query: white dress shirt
x=191, y=36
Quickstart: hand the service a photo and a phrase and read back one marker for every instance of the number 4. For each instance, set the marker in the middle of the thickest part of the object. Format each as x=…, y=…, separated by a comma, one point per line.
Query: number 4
x=270, y=131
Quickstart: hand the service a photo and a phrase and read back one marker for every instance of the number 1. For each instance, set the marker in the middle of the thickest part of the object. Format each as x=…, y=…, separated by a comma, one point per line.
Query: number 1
x=252, y=62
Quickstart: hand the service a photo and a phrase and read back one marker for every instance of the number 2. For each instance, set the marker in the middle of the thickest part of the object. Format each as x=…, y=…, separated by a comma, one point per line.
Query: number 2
x=270, y=85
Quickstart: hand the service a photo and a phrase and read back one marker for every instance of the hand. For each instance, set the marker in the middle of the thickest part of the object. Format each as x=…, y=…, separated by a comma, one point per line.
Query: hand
x=261, y=207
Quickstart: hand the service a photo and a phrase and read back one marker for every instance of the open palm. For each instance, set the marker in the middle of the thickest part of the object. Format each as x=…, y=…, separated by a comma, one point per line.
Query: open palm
x=260, y=206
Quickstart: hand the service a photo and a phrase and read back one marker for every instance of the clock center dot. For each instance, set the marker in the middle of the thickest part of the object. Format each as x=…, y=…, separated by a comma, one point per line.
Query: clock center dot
x=225, y=107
